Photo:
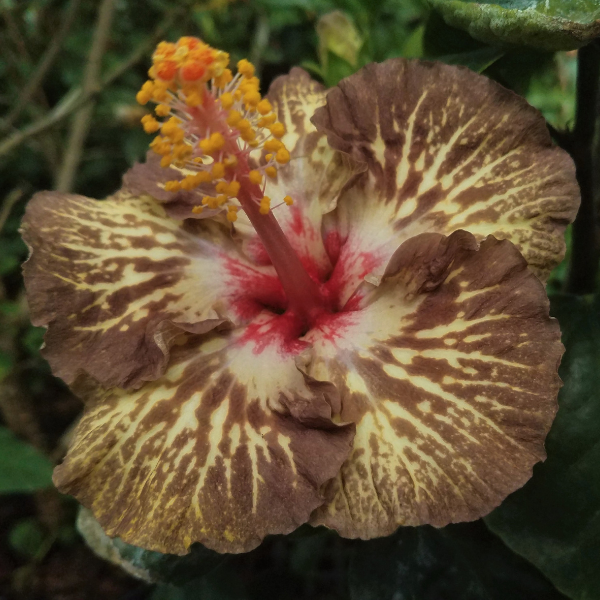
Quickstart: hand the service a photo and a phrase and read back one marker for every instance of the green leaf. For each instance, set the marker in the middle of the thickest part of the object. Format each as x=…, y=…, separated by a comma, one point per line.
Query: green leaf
x=476, y=60
x=22, y=468
x=463, y=562
x=554, y=521
x=27, y=537
x=545, y=24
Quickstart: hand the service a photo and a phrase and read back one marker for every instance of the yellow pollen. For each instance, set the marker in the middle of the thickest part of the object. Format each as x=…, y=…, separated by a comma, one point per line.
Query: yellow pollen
x=218, y=170
x=265, y=205
x=226, y=100
x=264, y=107
x=197, y=209
x=288, y=200
x=278, y=130
x=282, y=156
x=162, y=110
x=188, y=74
x=255, y=177
x=246, y=68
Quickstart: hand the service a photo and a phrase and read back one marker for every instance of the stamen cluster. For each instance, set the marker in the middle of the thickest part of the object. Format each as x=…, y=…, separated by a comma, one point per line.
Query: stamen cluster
x=210, y=122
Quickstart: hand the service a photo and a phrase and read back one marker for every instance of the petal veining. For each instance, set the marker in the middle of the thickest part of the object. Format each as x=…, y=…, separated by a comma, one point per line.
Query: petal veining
x=449, y=370
x=446, y=149
x=116, y=281
x=233, y=443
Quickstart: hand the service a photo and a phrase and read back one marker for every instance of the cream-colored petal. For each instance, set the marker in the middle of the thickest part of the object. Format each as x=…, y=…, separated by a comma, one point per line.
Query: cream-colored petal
x=445, y=149
x=449, y=370
x=116, y=281
x=231, y=444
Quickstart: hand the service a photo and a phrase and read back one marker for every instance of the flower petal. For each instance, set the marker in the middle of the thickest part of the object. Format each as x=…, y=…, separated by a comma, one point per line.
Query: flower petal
x=232, y=444
x=446, y=149
x=116, y=281
x=313, y=178
x=449, y=370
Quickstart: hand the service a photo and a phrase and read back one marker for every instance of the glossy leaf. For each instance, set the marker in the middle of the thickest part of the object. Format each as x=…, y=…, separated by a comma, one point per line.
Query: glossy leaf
x=22, y=468
x=459, y=561
x=545, y=24
x=554, y=521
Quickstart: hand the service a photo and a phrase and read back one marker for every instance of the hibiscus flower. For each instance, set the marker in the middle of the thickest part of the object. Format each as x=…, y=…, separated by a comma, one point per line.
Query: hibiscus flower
x=357, y=337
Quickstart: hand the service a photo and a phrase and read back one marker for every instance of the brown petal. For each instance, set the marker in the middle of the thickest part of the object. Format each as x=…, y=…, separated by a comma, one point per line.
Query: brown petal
x=116, y=281
x=449, y=370
x=231, y=444
x=446, y=149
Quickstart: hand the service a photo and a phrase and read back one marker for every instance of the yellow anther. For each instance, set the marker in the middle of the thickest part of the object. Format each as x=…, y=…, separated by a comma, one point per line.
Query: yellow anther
x=172, y=186
x=230, y=161
x=150, y=124
x=217, y=140
x=234, y=118
x=148, y=87
x=246, y=68
x=206, y=146
x=166, y=161
x=198, y=160
x=193, y=99
x=221, y=199
x=277, y=129
x=267, y=121
x=218, y=170
x=288, y=200
x=271, y=172
x=203, y=177
x=160, y=94
x=273, y=145
x=170, y=127
x=162, y=110
x=253, y=143
x=265, y=205
x=181, y=151
x=249, y=84
x=226, y=100
x=282, y=156
x=237, y=95
x=177, y=136
x=222, y=187
x=268, y=157
x=143, y=97
x=234, y=189
x=197, y=209
x=248, y=135
x=232, y=214
x=244, y=125
x=264, y=107
x=206, y=200
x=251, y=98
x=188, y=183
x=255, y=177
x=224, y=78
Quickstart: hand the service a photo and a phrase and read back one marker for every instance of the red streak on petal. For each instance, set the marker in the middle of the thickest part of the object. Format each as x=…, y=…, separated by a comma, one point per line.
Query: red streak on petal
x=333, y=246
x=279, y=331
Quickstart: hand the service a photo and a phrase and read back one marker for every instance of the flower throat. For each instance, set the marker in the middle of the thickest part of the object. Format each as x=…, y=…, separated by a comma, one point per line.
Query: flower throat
x=211, y=122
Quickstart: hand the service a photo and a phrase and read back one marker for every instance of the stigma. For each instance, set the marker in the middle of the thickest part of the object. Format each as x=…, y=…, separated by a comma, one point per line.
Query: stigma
x=209, y=122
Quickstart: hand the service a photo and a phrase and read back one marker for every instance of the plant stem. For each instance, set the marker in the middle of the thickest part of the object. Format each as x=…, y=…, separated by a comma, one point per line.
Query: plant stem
x=581, y=278
x=83, y=118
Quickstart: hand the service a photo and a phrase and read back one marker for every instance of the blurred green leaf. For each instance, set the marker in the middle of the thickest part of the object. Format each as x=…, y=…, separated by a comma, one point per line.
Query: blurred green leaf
x=22, y=468
x=554, y=520
x=27, y=537
x=463, y=562
x=476, y=60
x=338, y=34
x=544, y=24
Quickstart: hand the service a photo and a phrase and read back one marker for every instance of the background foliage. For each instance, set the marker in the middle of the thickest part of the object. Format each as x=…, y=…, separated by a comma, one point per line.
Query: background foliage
x=70, y=122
